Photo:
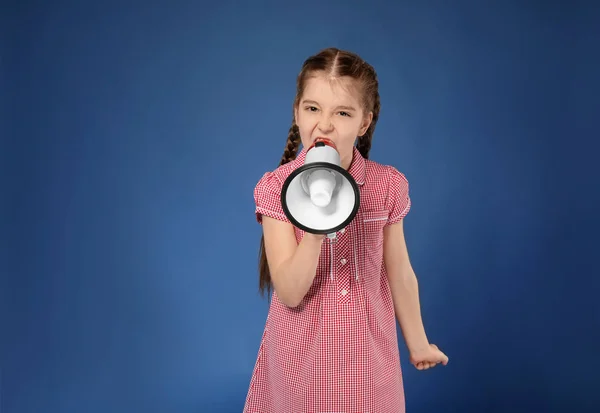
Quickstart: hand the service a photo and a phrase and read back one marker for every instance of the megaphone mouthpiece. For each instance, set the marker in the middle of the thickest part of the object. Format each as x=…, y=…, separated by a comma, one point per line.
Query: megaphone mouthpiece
x=323, y=142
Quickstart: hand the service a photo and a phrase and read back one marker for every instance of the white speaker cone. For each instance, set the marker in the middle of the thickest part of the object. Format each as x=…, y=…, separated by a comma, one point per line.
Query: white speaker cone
x=321, y=184
x=320, y=198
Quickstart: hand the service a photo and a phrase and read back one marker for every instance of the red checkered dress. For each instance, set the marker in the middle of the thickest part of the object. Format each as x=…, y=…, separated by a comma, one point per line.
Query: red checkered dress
x=337, y=351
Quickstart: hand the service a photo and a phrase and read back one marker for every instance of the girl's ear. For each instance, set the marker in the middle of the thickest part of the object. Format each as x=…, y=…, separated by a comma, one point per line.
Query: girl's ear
x=295, y=120
x=366, y=123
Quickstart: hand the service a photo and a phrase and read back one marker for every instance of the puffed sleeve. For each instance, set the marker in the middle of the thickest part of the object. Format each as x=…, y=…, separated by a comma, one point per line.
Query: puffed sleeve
x=267, y=198
x=398, y=197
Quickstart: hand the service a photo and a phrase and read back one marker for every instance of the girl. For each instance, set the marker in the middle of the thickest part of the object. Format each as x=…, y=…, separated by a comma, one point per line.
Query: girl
x=330, y=343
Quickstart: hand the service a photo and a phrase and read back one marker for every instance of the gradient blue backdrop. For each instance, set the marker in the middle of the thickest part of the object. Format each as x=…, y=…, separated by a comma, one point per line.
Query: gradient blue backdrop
x=135, y=133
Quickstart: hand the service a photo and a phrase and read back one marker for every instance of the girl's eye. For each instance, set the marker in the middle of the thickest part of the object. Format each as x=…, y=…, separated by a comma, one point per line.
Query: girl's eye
x=314, y=109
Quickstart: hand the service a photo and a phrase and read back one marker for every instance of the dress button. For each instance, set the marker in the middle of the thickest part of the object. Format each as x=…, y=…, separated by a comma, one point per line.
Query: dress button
x=342, y=230
x=343, y=261
x=344, y=292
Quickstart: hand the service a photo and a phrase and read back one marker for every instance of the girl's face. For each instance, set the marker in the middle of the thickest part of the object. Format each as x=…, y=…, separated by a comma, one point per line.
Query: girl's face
x=332, y=109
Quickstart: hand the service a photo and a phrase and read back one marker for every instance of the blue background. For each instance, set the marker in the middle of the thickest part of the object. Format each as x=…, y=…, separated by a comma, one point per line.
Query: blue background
x=133, y=136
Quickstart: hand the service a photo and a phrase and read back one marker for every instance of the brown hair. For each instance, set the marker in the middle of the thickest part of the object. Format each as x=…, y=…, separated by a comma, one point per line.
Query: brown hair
x=338, y=63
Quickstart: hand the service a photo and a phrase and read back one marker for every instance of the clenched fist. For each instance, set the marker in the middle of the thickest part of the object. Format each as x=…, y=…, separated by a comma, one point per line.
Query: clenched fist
x=428, y=357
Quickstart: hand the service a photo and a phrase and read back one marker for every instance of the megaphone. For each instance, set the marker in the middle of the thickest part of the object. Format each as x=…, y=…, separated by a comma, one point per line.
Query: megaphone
x=320, y=197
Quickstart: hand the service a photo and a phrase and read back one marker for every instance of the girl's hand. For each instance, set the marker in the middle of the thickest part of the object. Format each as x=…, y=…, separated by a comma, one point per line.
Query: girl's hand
x=314, y=237
x=428, y=357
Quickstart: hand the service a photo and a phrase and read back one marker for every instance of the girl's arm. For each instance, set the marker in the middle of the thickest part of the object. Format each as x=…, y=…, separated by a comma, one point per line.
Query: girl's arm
x=292, y=265
x=404, y=287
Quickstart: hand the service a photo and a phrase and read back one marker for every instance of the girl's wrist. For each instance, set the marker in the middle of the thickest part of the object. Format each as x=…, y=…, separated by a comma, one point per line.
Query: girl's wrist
x=416, y=347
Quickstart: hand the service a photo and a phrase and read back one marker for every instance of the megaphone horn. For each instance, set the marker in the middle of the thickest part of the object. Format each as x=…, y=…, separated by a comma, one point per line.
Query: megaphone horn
x=320, y=197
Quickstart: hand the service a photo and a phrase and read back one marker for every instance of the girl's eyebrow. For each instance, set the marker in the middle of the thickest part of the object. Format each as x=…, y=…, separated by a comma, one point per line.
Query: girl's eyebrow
x=312, y=102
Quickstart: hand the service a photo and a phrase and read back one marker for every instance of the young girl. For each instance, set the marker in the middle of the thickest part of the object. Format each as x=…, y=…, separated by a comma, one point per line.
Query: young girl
x=329, y=343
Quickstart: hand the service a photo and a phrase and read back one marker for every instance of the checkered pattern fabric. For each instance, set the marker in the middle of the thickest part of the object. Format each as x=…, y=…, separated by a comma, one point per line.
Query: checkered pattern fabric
x=338, y=350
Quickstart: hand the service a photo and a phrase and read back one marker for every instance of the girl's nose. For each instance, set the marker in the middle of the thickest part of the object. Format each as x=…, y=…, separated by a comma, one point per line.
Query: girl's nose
x=325, y=124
